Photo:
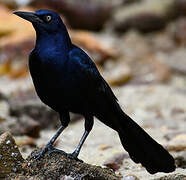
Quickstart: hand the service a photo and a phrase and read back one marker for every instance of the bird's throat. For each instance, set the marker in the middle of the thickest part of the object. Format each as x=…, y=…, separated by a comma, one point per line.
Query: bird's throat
x=56, y=41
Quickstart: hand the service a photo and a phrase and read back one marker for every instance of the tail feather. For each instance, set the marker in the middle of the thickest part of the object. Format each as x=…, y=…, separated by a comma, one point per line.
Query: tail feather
x=142, y=148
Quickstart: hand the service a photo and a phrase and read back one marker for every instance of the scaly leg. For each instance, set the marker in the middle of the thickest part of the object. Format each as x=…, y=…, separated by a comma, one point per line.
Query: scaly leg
x=88, y=127
x=65, y=118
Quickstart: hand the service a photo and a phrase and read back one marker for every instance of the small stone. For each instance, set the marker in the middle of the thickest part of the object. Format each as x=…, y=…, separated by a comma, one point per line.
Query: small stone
x=29, y=127
x=14, y=169
x=8, y=142
x=66, y=178
x=178, y=143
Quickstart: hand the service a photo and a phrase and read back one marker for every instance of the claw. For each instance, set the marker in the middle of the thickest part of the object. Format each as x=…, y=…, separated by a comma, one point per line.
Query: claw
x=37, y=156
x=74, y=156
x=50, y=149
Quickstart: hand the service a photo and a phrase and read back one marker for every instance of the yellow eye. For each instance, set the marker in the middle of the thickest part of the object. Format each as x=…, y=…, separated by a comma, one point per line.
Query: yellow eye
x=48, y=18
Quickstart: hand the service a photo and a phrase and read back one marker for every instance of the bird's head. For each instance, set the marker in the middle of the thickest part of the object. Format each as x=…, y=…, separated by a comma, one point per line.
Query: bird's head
x=43, y=20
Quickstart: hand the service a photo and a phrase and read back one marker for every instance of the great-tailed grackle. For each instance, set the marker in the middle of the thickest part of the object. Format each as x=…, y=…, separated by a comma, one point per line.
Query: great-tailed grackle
x=67, y=80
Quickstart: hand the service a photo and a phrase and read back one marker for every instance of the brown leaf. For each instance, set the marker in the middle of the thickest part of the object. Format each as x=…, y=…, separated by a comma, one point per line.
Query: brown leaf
x=5, y=67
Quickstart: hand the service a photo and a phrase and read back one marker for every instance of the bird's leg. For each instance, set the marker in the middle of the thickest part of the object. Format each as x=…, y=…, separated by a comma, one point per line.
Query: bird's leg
x=49, y=147
x=88, y=126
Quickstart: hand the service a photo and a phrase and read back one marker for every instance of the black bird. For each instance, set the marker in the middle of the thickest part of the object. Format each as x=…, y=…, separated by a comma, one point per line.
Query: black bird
x=67, y=80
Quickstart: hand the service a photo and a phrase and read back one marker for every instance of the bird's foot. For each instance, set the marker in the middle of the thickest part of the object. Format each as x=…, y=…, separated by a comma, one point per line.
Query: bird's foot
x=48, y=148
x=74, y=156
x=52, y=150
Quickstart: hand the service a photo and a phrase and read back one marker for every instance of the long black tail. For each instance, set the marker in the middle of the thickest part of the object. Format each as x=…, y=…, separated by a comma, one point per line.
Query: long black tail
x=140, y=146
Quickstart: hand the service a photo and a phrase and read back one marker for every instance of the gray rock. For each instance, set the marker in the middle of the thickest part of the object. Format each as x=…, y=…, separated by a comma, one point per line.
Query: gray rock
x=36, y=110
x=180, y=160
x=58, y=166
x=146, y=16
x=10, y=157
x=90, y=14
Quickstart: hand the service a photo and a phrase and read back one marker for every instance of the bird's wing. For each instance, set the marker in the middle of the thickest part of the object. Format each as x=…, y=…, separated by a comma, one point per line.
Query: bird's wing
x=90, y=73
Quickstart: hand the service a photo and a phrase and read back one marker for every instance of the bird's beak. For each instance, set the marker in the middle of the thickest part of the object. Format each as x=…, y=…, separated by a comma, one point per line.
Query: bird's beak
x=29, y=16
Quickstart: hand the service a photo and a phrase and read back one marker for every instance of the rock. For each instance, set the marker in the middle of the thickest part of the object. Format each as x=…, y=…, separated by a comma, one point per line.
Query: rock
x=144, y=22
x=172, y=177
x=9, y=124
x=90, y=15
x=34, y=109
x=146, y=16
x=180, y=7
x=10, y=157
x=116, y=161
x=178, y=143
x=24, y=125
x=37, y=111
x=58, y=166
x=28, y=126
x=3, y=97
x=180, y=160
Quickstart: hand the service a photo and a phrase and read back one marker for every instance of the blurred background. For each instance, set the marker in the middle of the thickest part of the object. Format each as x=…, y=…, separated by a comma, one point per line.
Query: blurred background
x=139, y=48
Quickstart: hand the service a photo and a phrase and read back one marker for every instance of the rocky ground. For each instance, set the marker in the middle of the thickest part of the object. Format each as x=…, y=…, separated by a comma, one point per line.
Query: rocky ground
x=139, y=47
